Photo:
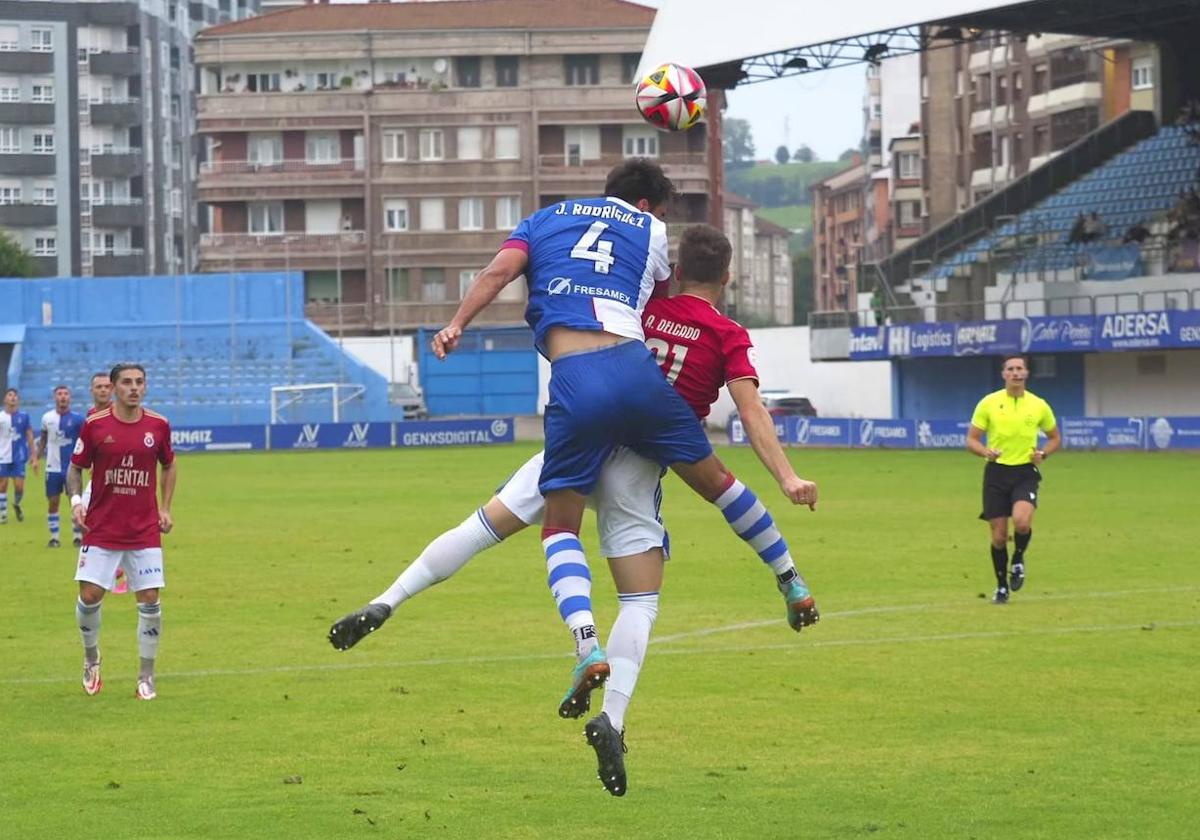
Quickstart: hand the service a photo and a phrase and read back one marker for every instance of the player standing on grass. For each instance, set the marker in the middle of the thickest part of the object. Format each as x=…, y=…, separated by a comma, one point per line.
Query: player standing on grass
x=1011, y=418
x=701, y=350
x=592, y=264
x=60, y=429
x=123, y=523
x=21, y=433
x=101, y=388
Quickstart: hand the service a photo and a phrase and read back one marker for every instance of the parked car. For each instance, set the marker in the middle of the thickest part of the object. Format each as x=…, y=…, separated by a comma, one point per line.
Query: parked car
x=782, y=404
x=408, y=398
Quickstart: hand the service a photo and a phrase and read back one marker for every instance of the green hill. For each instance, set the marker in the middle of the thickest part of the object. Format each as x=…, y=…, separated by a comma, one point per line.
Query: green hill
x=775, y=185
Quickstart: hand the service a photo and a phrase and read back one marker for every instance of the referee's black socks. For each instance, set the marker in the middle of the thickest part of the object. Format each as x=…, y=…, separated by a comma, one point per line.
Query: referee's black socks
x=1022, y=542
x=1000, y=564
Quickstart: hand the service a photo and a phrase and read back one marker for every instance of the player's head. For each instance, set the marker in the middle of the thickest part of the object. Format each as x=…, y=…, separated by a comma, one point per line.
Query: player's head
x=1014, y=369
x=12, y=399
x=128, y=383
x=62, y=398
x=704, y=255
x=101, y=389
x=643, y=184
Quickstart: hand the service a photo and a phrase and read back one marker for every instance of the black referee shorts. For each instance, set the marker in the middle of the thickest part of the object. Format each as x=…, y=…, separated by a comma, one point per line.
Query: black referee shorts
x=1004, y=486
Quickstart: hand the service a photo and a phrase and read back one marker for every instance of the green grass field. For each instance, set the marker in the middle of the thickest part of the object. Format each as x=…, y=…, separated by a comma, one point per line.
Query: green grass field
x=914, y=709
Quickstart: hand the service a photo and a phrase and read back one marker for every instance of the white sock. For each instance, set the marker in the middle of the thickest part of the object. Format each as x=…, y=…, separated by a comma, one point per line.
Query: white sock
x=626, y=650
x=87, y=617
x=448, y=553
x=149, y=628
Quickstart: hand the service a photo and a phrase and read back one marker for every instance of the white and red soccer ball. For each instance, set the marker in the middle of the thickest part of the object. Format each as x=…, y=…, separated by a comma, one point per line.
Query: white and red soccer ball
x=672, y=97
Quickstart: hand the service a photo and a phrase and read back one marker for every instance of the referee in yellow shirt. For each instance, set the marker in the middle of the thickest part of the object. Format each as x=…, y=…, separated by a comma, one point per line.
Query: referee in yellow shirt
x=1011, y=418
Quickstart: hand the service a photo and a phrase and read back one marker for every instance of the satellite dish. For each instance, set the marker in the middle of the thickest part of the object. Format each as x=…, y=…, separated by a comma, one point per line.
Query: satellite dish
x=440, y=65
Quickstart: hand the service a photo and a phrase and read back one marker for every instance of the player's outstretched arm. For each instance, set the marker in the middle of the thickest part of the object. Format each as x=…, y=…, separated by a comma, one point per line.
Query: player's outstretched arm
x=167, y=491
x=506, y=266
x=760, y=429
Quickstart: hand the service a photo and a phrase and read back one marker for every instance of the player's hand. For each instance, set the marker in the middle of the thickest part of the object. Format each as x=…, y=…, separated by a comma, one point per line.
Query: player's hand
x=446, y=341
x=992, y=454
x=33, y=465
x=78, y=514
x=800, y=492
x=165, y=523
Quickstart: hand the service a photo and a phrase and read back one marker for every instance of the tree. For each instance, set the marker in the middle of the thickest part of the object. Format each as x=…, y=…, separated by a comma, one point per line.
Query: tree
x=802, y=287
x=804, y=154
x=737, y=143
x=15, y=261
x=848, y=154
x=782, y=156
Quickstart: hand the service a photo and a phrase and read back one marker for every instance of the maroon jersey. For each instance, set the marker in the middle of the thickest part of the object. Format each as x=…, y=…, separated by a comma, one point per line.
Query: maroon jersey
x=124, y=459
x=698, y=348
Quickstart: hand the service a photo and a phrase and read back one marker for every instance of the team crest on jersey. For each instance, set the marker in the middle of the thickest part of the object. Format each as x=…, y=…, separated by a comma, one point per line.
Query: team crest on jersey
x=148, y=440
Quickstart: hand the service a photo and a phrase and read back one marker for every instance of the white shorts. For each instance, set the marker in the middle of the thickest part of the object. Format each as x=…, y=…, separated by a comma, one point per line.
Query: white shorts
x=143, y=567
x=627, y=501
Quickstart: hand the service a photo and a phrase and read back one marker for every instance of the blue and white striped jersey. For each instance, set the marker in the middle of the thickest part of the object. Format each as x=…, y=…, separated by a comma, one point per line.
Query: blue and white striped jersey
x=62, y=430
x=593, y=263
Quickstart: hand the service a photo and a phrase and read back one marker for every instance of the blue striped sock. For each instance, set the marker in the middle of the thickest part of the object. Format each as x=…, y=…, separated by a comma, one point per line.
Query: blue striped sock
x=52, y=522
x=751, y=521
x=570, y=583
x=3, y=506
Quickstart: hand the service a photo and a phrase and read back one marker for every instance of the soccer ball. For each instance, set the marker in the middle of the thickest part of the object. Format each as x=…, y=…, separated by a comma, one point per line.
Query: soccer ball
x=672, y=97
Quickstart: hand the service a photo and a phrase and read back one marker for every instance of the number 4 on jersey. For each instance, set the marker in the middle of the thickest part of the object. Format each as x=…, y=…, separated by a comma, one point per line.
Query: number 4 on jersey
x=591, y=247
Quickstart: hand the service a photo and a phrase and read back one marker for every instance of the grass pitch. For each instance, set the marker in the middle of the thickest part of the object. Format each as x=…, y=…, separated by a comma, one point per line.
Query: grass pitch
x=914, y=709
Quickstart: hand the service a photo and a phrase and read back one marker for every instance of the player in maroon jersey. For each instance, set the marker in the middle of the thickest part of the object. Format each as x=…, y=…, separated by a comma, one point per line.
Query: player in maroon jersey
x=123, y=445
x=101, y=388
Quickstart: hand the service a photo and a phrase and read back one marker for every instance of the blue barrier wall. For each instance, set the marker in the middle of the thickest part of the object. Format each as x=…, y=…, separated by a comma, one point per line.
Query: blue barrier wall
x=482, y=431
x=493, y=371
x=947, y=388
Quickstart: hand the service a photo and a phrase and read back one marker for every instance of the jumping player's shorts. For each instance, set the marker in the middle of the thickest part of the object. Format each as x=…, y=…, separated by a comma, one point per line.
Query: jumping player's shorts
x=1004, y=486
x=613, y=397
x=143, y=567
x=12, y=469
x=627, y=500
x=56, y=482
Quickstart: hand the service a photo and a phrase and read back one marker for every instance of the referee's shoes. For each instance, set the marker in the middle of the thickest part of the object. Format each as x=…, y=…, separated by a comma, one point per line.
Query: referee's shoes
x=1016, y=578
x=1001, y=596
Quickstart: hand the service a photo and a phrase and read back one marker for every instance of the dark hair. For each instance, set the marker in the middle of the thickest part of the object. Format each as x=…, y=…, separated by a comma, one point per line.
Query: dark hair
x=117, y=368
x=1024, y=359
x=704, y=254
x=12, y=391
x=639, y=178
x=98, y=374
x=60, y=387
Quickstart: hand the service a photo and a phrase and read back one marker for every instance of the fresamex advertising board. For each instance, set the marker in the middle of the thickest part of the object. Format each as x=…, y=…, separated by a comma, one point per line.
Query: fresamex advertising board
x=885, y=434
x=818, y=431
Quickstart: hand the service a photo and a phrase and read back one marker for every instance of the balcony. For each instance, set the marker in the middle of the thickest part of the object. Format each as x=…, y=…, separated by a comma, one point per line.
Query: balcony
x=567, y=174
x=997, y=117
x=1065, y=98
x=228, y=180
x=111, y=162
x=118, y=213
x=118, y=262
x=27, y=113
x=116, y=63
x=19, y=63
x=28, y=215
x=25, y=164
x=280, y=250
x=116, y=112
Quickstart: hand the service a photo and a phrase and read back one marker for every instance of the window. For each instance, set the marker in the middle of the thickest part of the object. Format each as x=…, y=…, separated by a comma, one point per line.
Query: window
x=262, y=82
x=10, y=89
x=398, y=284
x=42, y=91
x=45, y=246
x=641, y=142
x=10, y=194
x=176, y=202
x=910, y=165
x=265, y=149
x=508, y=211
x=45, y=194
x=470, y=214
x=1001, y=91
x=321, y=81
x=959, y=83
x=1018, y=87
x=506, y=71
x=43, y=142
x=508, y=142
x=395, y=214
x=431, y=144
x=321, y=287
x=10, y=140
x=8, y=39
x=983, y=92
x=395, y=145
x=581, y=143
x=1143, y=73
x=322, y=147
x=41, y=40
x=433, y=214
x=466, y=71
x=582, y=69
x=470, y=143
x=629, y=66
x=910, y=213
x=1041, y=140
x=97, y=192
x=465, y=279
x=266, y=217
x=876, y=110
x=433, y=285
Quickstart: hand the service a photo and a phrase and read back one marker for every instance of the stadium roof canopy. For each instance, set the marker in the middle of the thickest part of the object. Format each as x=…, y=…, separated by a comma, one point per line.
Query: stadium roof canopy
x=755, y=40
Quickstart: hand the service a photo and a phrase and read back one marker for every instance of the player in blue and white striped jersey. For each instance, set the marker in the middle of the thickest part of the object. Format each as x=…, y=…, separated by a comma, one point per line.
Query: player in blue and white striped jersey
x=21, y=454
x=60, y=430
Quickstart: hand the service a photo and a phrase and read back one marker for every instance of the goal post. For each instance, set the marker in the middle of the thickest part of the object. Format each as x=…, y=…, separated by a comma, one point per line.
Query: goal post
x=286, y=396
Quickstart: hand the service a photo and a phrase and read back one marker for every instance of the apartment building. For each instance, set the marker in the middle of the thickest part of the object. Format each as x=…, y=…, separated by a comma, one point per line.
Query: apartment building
x=95, y=127
x=839, y=236
x=999, y=104
x=385, y=150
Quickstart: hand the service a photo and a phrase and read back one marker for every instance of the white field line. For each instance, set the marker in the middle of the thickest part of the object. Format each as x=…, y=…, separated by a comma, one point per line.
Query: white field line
x=795, y=646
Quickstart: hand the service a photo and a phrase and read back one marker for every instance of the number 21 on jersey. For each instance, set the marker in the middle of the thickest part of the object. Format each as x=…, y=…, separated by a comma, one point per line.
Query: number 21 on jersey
x=664, y=353
x=591, y=247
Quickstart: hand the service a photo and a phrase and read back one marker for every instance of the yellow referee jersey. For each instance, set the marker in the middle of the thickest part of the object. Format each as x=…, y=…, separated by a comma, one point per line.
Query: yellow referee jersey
x=1012, y=424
